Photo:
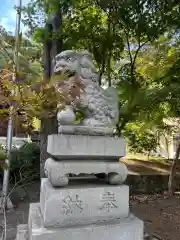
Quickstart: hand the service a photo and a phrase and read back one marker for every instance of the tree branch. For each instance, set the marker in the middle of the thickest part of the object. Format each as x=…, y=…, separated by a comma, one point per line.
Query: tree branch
x=110, y=48
x=10, y=57
x=136, y=54
x=101, y=71
x=173, y=170
x=129, y=49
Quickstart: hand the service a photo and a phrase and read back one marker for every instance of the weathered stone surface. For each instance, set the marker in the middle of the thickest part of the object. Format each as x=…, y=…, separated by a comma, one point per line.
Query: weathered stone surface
x=130, y=228
x=86, y=147
x=114, y=178
x=100, y=106
x=58, y=171
x=86, y=130
x=22, y=232
x=85, y=204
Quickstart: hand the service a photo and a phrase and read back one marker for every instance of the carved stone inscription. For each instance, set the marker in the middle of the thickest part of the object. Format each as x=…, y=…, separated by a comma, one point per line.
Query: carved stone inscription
x=69, y=204
x=108, y=201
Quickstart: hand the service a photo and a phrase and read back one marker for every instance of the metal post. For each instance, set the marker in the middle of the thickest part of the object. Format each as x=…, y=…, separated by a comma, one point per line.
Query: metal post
x=10, y=122
x=6, y=171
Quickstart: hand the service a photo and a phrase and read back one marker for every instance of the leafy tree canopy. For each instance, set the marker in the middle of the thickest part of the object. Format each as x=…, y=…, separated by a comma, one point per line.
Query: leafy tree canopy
x=135, y=45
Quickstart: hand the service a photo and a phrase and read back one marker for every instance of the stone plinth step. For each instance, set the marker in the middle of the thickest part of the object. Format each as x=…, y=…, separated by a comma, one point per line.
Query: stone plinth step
x=22, y=234
x=78, y=205
x=130, y=228
x=77, y=147
x=58, y=171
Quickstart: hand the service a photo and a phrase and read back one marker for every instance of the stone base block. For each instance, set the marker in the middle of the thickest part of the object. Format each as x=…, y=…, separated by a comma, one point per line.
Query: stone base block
x=86, y=204
x=58, y=171
x=86, y=147
x=130, y=228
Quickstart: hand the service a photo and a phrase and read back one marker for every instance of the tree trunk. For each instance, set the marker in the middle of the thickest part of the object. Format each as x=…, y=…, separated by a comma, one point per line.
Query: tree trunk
x=167, y=145
x=101, y=72
x=47, y=53
x=172, y=174
x=56, y=41
x=109, y=70
x=51, y=48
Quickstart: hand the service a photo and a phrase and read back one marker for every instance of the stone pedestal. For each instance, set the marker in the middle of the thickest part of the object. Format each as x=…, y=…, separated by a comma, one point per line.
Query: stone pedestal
x=82, y=204
x=129, y=228
x=92, y=207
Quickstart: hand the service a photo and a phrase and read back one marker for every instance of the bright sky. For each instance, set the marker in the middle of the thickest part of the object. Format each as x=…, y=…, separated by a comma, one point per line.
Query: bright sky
x=8, y=14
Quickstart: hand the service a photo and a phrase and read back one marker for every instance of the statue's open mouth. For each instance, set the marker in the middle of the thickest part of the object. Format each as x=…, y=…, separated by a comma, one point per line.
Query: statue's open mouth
x=67, y=72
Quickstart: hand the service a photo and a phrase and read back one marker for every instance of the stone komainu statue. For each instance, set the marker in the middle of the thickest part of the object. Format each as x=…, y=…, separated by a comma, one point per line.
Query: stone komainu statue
x=100, y=107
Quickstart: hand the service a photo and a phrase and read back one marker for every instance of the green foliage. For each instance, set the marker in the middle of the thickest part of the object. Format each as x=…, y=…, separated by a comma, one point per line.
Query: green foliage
x=25, y=161
x=111, y=30
x=2, y=158
x=152, y=92
x=140, y=140
x=29, y=53
x=2, y=153
x=145, y=34
x=79, y=115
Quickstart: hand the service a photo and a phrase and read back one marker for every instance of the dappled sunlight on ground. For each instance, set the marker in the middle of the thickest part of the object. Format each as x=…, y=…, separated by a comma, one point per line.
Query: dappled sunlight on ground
x=141, y=165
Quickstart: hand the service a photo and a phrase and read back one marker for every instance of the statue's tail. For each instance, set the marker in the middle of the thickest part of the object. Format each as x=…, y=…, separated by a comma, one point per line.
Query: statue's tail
x=112, y=98
x=111, y=93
